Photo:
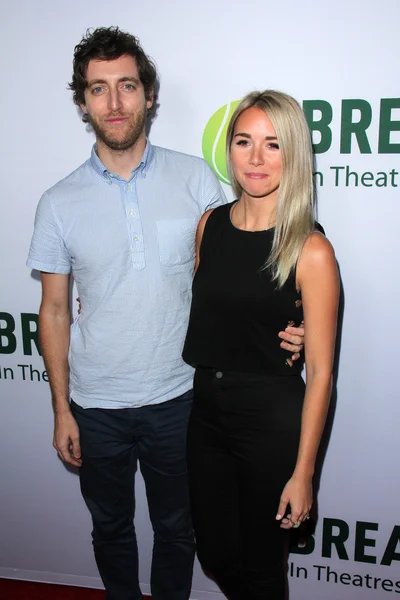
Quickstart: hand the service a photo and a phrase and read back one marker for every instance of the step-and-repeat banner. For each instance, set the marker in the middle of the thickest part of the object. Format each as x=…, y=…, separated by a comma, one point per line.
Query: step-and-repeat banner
x=340, y=59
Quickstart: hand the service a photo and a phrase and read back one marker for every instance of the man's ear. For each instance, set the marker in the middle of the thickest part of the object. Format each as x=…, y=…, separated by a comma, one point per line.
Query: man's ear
x=150, y=99
x=83, y=108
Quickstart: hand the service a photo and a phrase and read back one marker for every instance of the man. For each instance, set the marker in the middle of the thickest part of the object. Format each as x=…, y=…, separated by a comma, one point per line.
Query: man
x=124, y=225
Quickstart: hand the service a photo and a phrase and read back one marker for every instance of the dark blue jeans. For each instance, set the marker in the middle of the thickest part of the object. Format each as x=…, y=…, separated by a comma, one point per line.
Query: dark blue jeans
x=112, y=441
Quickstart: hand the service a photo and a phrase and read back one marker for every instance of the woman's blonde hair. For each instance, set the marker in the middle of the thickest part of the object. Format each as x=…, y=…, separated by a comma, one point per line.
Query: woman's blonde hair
x=294, y=214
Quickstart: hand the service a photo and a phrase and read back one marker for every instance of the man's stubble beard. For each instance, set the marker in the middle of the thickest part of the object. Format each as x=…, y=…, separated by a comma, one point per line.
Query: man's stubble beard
x=137, y=125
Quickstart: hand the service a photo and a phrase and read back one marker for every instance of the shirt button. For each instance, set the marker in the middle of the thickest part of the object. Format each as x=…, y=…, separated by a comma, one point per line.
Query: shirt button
x=129, y=188
x=132, y=212
x=219, y=374
x=136, y=238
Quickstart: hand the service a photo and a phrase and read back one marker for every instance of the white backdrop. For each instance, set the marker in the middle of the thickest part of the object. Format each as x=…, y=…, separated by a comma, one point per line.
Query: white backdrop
x=209, y=54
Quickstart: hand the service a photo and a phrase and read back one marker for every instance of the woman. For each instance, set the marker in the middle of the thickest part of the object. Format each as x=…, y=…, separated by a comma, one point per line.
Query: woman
x=255, y=427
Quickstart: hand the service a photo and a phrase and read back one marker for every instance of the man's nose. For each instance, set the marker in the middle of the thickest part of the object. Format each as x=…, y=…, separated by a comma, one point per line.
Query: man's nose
x=114, y=100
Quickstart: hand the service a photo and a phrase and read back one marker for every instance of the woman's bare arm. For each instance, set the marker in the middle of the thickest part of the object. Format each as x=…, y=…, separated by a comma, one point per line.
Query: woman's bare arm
x=318, y=279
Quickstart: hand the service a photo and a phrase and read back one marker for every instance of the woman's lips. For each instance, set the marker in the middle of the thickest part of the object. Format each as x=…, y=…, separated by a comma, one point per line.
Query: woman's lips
x=256, y=175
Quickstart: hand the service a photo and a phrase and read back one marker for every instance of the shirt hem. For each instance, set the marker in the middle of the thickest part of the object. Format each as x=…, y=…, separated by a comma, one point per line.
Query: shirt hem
x=86, y=403
x=47, y=268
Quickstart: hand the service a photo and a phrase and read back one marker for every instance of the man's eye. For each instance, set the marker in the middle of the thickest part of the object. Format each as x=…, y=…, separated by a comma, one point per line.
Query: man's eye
x=129, y=86
x=97, y=89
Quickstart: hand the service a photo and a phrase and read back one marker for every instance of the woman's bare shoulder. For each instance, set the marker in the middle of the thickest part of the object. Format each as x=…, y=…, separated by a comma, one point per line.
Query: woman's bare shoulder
x=317, y=250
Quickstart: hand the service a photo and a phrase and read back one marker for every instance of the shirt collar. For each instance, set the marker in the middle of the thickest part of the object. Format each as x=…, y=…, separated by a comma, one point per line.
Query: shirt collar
x=142, y=167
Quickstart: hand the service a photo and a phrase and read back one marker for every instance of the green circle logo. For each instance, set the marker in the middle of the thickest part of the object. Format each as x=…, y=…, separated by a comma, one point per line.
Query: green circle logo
x=214, y=140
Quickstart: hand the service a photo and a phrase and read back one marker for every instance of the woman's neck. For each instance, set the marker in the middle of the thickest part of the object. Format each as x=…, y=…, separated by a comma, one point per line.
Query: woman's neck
x=254, y=214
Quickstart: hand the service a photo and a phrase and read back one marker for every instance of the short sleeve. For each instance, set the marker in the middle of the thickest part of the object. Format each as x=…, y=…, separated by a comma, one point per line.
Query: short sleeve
x=213, y=194
x=47, y=251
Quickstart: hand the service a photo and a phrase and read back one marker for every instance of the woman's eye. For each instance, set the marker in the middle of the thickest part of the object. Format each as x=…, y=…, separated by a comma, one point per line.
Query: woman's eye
x=274, y=146
x=242, y=142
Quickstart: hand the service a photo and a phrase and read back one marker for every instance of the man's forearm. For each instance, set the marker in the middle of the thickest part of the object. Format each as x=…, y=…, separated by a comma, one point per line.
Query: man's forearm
x=54, y=332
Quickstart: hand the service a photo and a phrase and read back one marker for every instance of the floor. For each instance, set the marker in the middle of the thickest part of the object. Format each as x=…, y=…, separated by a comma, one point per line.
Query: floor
x=12, y=589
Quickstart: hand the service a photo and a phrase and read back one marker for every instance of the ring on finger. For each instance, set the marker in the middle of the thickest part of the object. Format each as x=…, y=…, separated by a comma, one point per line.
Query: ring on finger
x=296, y=525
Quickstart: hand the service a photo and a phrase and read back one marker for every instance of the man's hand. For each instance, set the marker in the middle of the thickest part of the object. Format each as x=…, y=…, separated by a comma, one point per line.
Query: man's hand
x=293, y=338
x=66, y=439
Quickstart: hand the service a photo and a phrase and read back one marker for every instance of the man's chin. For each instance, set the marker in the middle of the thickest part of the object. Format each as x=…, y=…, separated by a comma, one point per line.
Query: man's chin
x=120, y=138
x=118, y=143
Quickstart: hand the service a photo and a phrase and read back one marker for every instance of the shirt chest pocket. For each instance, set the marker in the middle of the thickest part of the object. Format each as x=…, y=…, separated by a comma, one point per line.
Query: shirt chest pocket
x=176, y=243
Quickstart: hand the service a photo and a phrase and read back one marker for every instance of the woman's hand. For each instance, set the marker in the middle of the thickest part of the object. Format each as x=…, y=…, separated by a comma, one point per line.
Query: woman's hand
x=298, y=493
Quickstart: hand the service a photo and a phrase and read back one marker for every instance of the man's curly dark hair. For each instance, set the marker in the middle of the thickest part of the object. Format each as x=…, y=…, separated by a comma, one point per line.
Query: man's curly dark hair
x=109, y=43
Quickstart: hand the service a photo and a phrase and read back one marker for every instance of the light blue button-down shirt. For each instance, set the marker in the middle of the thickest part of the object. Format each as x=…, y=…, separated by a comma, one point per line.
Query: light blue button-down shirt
x=130, y=248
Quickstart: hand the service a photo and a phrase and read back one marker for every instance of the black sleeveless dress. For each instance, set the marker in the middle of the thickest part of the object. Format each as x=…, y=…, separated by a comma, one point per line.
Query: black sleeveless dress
x=245, y=424
x=237, y=310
